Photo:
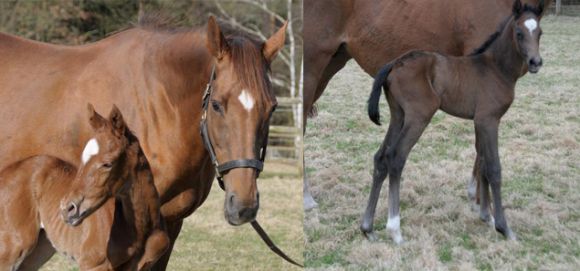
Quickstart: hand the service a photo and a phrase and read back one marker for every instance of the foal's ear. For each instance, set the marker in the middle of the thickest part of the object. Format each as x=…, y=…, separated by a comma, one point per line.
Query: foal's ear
x=96, y=120
x=216, y=42
x=517, y=8
x=541, y=7
x=117, y=122
x=273, y=45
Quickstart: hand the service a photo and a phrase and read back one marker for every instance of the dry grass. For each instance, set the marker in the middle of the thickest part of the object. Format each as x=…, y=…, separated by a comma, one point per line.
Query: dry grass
x=539, y=149
x=208, y=242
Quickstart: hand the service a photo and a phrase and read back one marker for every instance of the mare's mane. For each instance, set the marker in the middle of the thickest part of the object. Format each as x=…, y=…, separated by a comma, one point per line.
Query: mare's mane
x=251, y=66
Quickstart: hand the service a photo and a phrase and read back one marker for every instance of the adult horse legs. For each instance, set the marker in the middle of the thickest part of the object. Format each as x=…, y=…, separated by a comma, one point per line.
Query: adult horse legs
x=380, y=168
x=321, y=64
x=155, y=246
x=173, y=229
x=490, y=168
x=40, y=255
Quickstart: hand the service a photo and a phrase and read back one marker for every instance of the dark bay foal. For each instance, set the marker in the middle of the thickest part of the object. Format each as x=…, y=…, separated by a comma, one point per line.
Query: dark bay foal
x=478, y=87
x=110, y=204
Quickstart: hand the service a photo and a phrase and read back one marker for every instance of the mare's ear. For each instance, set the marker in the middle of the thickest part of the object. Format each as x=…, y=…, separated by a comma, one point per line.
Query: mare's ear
x=117, y=122
x=96, y=120
x=216, y=42
x=273, y=45
x=517, y=8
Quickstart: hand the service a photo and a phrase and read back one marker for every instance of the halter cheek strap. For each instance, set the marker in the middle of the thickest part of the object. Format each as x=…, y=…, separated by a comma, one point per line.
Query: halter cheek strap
x=220, y=169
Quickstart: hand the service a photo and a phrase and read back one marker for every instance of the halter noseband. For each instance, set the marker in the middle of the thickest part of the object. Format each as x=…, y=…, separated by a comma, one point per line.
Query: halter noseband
x=220, y=169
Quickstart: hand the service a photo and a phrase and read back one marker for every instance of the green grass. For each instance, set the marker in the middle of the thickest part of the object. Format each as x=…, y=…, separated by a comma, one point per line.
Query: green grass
x=539, y=149
x=208, y=242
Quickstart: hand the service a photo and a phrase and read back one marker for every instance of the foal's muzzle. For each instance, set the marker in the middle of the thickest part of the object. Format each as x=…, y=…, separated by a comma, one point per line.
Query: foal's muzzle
x=534, y=64
x=70, y=212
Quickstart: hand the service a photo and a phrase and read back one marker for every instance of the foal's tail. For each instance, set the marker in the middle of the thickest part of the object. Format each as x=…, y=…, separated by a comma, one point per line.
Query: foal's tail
x=380, y=80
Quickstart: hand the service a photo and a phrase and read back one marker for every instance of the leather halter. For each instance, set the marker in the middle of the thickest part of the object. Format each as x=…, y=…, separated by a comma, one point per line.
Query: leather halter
x=220, y=169
x=240, y=163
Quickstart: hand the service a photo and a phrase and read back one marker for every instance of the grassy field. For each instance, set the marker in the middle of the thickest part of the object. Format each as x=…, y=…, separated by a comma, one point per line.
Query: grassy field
x=540, y=154
x=208, y=242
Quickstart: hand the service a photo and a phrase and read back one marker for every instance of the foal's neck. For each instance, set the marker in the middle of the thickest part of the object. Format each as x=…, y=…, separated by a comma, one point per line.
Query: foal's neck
x=138, y=190
x=505, y=55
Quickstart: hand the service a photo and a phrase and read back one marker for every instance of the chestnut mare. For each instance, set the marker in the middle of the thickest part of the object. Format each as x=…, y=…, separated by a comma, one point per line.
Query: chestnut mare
x=375, y=32
x=157, y=77
x=130, y=238
x=478, y=87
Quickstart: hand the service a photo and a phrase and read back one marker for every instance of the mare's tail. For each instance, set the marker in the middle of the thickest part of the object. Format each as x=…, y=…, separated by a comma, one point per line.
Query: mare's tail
x=373, y=103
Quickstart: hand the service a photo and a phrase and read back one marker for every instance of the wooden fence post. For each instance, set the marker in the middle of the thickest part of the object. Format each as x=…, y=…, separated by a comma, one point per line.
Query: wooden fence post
x=558, y=7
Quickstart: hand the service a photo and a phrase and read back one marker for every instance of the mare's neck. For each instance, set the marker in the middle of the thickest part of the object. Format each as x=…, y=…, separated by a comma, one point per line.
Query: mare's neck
x=505, y=56
x=183, y=65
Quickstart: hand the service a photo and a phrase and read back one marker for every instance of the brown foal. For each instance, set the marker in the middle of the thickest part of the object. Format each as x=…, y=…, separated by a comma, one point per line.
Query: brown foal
x=374, y=32
x=479, y=87
x=128, y=234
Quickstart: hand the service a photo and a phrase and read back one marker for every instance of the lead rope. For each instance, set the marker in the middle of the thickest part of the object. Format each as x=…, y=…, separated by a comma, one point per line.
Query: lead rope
x=205, y=136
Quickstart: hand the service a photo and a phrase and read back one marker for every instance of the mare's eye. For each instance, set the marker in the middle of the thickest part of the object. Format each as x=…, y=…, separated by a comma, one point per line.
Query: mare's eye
x=107, y=165
x=217, y=107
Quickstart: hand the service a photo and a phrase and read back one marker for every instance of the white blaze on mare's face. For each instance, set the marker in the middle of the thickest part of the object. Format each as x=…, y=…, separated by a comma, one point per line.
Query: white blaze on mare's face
x=246, y=100
x=531, y=24
x=92, y=148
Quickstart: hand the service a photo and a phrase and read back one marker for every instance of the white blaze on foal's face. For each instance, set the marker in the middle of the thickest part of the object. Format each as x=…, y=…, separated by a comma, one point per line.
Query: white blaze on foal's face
x=246, y=100
x=91, y=149
x=531, y=25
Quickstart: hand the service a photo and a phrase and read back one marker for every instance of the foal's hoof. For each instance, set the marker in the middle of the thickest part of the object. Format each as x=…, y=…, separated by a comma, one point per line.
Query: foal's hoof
x=508, y=233
x=489, y=220
x=397, y=237
x=371, y=236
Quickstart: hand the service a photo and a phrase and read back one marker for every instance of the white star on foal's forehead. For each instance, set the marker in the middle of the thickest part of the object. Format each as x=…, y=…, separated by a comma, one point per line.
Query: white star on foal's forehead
x=246, y=100
x=91, y=149
x=531, y=24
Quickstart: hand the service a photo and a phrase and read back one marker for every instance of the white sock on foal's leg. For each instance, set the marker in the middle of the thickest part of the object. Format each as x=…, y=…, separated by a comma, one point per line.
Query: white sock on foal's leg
x=394, y=227
x=472, y=193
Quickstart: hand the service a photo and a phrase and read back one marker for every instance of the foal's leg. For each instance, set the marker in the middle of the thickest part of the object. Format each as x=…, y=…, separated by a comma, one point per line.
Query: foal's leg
x=473, y=184
x=487, y=131
x=396, y=158
x=381, y=171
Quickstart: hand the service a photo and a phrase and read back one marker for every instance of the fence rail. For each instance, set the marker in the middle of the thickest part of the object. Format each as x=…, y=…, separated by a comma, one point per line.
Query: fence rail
x=285, y=141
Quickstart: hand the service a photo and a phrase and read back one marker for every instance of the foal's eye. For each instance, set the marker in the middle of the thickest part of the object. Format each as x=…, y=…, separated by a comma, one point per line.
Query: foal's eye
x=519, y=34
x=217, y=107
x=107, y=165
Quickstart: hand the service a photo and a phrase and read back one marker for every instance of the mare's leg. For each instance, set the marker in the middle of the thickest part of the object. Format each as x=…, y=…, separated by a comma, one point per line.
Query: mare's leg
x=40, y=255
x=323, y=57
x=487, y=131
x=173, y=229
x=381, y=170
x=157, y=244
x=320, y=66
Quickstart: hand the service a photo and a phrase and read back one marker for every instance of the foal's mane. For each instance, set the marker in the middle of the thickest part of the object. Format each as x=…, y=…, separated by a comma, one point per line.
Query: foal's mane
x=493, y=37
x=250, y=65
